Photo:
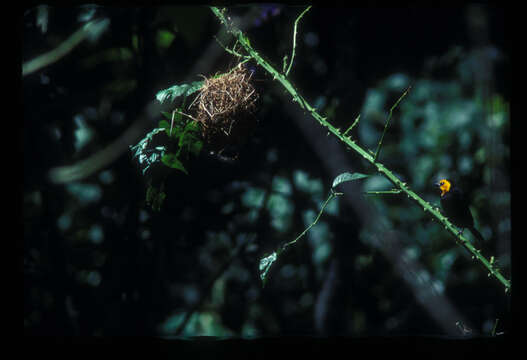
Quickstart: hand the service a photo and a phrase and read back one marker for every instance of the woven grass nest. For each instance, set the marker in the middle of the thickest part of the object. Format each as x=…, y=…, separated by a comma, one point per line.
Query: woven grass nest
x=226, y=107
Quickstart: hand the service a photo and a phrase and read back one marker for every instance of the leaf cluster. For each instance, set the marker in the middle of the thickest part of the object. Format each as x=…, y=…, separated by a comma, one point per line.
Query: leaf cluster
x=171, y=145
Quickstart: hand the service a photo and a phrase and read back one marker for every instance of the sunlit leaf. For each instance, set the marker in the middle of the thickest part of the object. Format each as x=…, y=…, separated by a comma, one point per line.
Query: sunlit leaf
x=145, y=154
x=173, y=92
x=265, y=265
x=348, y=176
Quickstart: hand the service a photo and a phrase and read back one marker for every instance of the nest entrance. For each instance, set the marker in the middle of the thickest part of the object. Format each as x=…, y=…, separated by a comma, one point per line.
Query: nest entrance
x=225, y=108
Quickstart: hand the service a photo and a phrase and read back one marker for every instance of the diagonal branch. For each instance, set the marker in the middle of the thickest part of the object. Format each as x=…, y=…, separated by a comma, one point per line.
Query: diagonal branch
x=427, y=207
x=381, y=236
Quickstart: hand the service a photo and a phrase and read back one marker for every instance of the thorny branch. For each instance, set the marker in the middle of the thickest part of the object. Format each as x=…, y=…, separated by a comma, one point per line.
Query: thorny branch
x=366, y=154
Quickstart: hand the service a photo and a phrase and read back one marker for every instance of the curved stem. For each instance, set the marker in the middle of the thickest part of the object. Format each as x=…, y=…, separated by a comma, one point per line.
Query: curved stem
x=294, y=39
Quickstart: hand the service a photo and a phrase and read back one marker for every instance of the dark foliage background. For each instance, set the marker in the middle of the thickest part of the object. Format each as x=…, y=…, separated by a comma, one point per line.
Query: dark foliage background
x=98, y=261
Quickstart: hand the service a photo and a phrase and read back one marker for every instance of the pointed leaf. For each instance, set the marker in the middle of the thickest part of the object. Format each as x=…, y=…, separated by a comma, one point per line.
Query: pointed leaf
x=173, y=92
x=265, y=265
x=348, y=176
x=145, y=154
x=190, y=139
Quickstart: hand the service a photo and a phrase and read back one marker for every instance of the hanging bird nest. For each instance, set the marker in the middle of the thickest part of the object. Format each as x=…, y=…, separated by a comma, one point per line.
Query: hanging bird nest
x=225, y=108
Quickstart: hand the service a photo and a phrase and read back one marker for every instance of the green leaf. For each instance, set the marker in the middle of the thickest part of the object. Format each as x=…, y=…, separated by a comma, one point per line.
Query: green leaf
x=191, y=131
x=177, y=125
x=195, y=147
x=265, y=265
x=347, y=176
x=145, y=154
x=165, y=125
x=167, y=115
x=192, y=126
x=144, y=141
x=171, y=160
x=155, y=197
x=173, y=92
x=190, y=139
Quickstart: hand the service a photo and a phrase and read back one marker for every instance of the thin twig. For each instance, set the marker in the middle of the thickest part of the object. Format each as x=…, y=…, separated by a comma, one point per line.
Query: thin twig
x=248, y=95
x=172, y=122
x=187, y=115
x=331, y=196
x=352, y=125
x=232, y=52
x=379, y=145
x=294, y=39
